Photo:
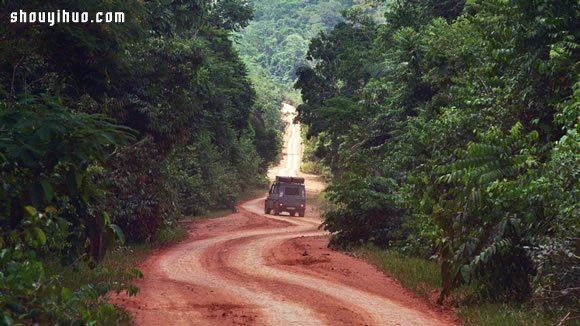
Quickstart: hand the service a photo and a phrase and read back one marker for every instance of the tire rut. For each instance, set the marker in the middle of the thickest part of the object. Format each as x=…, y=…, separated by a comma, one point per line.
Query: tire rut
x=242, y=269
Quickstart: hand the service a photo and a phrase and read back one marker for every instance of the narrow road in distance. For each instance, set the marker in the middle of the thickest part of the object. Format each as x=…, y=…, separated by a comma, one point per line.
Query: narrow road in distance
x=249, y=268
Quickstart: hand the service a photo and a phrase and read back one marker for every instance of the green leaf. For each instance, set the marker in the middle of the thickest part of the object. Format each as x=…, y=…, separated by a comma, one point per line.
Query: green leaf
x=66, y=294
x=118, y=232
x=102, y=220
x=132, y=290
x=133, y=273
x=30, y=210
x=466, y=272
x=8, y=320
x=48, y=190
x=39, y=235
x=106, y=218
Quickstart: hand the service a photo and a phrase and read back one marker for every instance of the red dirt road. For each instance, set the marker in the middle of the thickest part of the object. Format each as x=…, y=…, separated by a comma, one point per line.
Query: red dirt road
x=249, y=268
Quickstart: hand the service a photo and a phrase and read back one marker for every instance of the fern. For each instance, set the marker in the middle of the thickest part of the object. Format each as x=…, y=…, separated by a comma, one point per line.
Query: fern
x=486, y=181
x=469, y=271
x=500, y=156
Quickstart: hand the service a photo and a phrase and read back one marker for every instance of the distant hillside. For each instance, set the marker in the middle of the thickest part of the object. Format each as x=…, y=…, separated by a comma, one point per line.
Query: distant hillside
x=277, y=39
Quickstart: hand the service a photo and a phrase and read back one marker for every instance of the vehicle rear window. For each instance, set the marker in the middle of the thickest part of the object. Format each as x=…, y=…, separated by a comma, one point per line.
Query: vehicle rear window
x=291, y=191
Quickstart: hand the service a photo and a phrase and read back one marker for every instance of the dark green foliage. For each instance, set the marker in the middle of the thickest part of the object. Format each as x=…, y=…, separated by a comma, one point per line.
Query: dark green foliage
x=274, y=47
x=46, y=152
x=368, y=211
x=231, y=14
x=494, y=248
x=137, y=192
x=114, y=130
x=72, y=59
x=470, y=110
x=206, y=180
x=277, y=40
x=28, y=295
x=47, y=208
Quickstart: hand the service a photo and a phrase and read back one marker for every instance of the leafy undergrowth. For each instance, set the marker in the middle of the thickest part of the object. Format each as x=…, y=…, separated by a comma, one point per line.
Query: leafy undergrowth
x=311, y=167
x=423, y=278
x=248, y=195
x=254, y=193
x=168, y=236
x=315, y=199
x=119, y=264
x=318, y=202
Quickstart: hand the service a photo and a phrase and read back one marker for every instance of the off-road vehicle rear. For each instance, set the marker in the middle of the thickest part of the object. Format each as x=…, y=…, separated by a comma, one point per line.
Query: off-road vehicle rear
x=287, y=194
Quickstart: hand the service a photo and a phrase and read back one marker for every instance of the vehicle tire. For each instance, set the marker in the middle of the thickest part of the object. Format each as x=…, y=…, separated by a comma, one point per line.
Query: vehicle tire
x=276, y=212
x=266, y=211
x=301, y=213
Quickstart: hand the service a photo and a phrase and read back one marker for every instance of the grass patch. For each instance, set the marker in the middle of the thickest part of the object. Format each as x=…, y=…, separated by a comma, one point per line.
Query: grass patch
x=309, y=167
x=500, y=314
x=170, y=235
x=254, y=193
x=247, y=195
x=315, y=198
x=318, y=168
x=423, y=277
x=318, y=201
x=208, y=215
x=112, y=269
x=419, y=275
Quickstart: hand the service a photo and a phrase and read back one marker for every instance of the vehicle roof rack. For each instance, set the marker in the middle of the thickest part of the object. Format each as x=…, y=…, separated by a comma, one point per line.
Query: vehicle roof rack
x=299, y=180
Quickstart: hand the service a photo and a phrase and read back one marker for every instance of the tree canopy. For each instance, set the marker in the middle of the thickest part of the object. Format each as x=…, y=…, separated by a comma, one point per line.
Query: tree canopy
x=113, y=131
x=451, y=129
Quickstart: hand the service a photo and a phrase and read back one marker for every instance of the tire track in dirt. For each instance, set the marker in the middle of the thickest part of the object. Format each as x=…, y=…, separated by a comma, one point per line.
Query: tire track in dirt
x=187, y=266
x=247, y=269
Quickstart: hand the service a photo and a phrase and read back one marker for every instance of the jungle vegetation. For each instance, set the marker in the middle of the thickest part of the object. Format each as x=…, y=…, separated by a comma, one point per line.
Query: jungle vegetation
x=451, y=132
x=111, y=132
x=275, y=42
x=448, y=129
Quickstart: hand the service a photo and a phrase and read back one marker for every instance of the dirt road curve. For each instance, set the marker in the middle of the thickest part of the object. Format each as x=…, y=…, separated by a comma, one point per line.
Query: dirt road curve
x=254, y=269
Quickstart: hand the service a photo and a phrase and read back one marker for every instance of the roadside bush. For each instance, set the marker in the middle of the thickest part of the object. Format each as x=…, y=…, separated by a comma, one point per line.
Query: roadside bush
x=367, y=211
x=206, y=180
x=470, y=111
x=138, y=196
x=555, y=251
x=28, y=296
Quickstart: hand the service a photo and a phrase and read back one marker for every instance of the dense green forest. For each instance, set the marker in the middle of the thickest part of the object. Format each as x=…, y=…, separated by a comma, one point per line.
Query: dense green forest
x=275, y=43
x=451, y=132
x=277, y=39
x=112, y=132
x=448, y=130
